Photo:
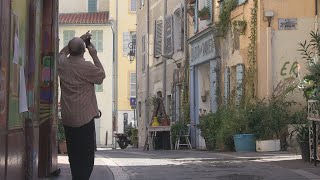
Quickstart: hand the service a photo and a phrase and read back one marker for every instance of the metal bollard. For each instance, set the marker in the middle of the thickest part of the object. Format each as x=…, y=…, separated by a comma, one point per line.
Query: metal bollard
x=106, y=138
x=114, y=140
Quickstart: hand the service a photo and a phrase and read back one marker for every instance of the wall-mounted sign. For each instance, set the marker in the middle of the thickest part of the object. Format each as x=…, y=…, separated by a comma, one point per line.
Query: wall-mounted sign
x=202, y=49
x=288, y=24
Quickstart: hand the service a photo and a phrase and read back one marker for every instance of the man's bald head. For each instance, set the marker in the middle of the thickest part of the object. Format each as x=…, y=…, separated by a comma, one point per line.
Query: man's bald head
x=76, y=47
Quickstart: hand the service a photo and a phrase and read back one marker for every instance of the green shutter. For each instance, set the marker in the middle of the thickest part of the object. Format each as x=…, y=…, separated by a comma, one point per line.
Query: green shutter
x=98, y=87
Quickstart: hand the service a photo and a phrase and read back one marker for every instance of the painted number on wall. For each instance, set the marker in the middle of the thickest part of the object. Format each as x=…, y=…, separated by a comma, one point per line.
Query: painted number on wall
x=289, y=68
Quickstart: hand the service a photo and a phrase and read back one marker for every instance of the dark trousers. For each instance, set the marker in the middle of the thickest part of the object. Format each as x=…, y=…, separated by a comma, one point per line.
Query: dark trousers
x=81, y=146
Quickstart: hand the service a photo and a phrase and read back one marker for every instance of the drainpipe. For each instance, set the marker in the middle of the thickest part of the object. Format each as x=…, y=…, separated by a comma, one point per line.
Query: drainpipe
x=148, y=72
x=186, y=49
x=269, y=61
x=316, y=16
x=164, y=59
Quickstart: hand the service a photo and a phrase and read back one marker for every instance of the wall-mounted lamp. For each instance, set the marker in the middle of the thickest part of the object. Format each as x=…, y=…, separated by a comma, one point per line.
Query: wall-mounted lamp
x=132, y=52
x=269, y=15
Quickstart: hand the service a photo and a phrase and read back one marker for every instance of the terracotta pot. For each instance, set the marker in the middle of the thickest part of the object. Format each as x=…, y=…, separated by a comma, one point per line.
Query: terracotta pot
x=165, y=122
x=191, y=1
x=205, y=17
x=191, y=12
x=63, y=148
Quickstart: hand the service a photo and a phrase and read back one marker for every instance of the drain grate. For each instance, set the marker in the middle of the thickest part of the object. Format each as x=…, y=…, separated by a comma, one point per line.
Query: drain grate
x=239, y=177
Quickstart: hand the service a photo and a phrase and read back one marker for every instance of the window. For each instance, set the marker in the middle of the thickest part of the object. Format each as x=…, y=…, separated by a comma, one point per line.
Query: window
x=143, y=53
x=158, y=38
x=133, y=84
x=97, y=39
x=67, y=36
x=128, y=37
x=133, y=5
x=92, y=5
x=98, y=87
x=236, y=40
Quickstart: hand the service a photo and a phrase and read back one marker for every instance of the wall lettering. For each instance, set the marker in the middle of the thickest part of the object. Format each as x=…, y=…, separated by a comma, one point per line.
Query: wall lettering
x=289, y=69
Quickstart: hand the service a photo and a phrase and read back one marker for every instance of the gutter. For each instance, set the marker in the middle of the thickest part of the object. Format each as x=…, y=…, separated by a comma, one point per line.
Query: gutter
x=164, y=59
x=147, y=114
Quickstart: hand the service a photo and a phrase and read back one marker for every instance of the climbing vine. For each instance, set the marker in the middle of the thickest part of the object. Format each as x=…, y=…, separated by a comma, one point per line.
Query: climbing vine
x=225, y=13
x=252, y=55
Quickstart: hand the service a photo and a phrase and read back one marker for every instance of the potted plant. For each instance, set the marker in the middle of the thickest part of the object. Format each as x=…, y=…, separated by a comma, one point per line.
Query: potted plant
x=134, y=137
x=269, y=119
x=300, y=133
x=191, y=10
x=204, y=13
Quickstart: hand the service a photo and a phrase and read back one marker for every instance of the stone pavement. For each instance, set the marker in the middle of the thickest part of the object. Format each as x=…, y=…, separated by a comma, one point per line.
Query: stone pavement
x=100, y=171
x=135, y=164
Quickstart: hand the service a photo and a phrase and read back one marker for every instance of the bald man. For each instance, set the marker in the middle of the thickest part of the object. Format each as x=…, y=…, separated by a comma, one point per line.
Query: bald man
x=79, y=104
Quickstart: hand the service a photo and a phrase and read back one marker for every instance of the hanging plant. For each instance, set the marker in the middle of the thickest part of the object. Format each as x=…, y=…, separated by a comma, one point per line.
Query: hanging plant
x=204, y=13
x=191, y=10
x=191, y=1
x=227, y=7
x=240, y=26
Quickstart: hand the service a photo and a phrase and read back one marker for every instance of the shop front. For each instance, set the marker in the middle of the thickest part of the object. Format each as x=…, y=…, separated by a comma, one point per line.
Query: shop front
x=203, y=80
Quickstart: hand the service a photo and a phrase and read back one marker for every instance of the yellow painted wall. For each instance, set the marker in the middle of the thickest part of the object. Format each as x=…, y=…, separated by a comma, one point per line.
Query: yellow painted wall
x=284, y=42
x=126, y=23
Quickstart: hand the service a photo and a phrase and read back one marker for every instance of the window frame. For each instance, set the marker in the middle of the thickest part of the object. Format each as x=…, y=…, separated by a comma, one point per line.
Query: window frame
x=131, y=6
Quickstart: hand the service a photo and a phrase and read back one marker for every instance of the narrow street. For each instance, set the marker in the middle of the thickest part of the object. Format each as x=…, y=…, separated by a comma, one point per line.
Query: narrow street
x=135, y=164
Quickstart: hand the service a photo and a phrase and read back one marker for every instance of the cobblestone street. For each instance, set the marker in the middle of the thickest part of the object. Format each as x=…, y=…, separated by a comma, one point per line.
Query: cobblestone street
x=136, y=164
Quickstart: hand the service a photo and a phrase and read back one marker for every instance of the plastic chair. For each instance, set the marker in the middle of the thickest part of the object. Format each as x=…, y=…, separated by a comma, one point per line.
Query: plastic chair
x=186, y=136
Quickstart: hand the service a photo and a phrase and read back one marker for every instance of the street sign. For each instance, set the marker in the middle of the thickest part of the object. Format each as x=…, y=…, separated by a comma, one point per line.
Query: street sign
x=133, y=101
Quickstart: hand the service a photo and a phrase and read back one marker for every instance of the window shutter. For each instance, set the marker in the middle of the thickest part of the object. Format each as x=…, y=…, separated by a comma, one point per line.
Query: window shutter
x=92, y=6
x=209, y=5
x=98, y=87
x=169, y=35
x=226, y=85
x=158, y=38
x=178, y=30
x=241, y=2
x=126, y=41
x=196, y=16
x=239, y=78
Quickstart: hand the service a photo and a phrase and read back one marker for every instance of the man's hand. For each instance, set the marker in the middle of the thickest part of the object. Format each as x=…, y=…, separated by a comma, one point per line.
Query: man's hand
x=92, y=50
x=86, y=36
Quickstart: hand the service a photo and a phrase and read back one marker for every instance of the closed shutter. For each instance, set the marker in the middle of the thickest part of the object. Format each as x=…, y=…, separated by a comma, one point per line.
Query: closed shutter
x=196, y=21
x=158, y=38
x=168, y=35
x=209, y=5
x=126, y=41
x=241, y=2
x=239, y=78
x=178, y=30
x=226, y=85
x=98, y=87
x=92, y=6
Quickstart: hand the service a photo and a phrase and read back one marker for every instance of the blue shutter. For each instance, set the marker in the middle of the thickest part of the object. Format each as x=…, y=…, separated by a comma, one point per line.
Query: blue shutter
x=209, y=5
x=239, y=78
x=92, y=5
x=226, y=85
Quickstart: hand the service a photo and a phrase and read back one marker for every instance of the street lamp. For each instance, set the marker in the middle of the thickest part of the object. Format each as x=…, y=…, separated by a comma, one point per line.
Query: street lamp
x=132, y=52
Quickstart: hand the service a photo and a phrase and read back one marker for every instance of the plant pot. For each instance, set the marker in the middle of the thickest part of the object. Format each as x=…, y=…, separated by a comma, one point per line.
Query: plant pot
x=268, y=145
x=63, y=147
x=191, y=12
x=165, y=122
x=305, y=151
x=245, y=142
x=191, y=1
x=204, y=17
